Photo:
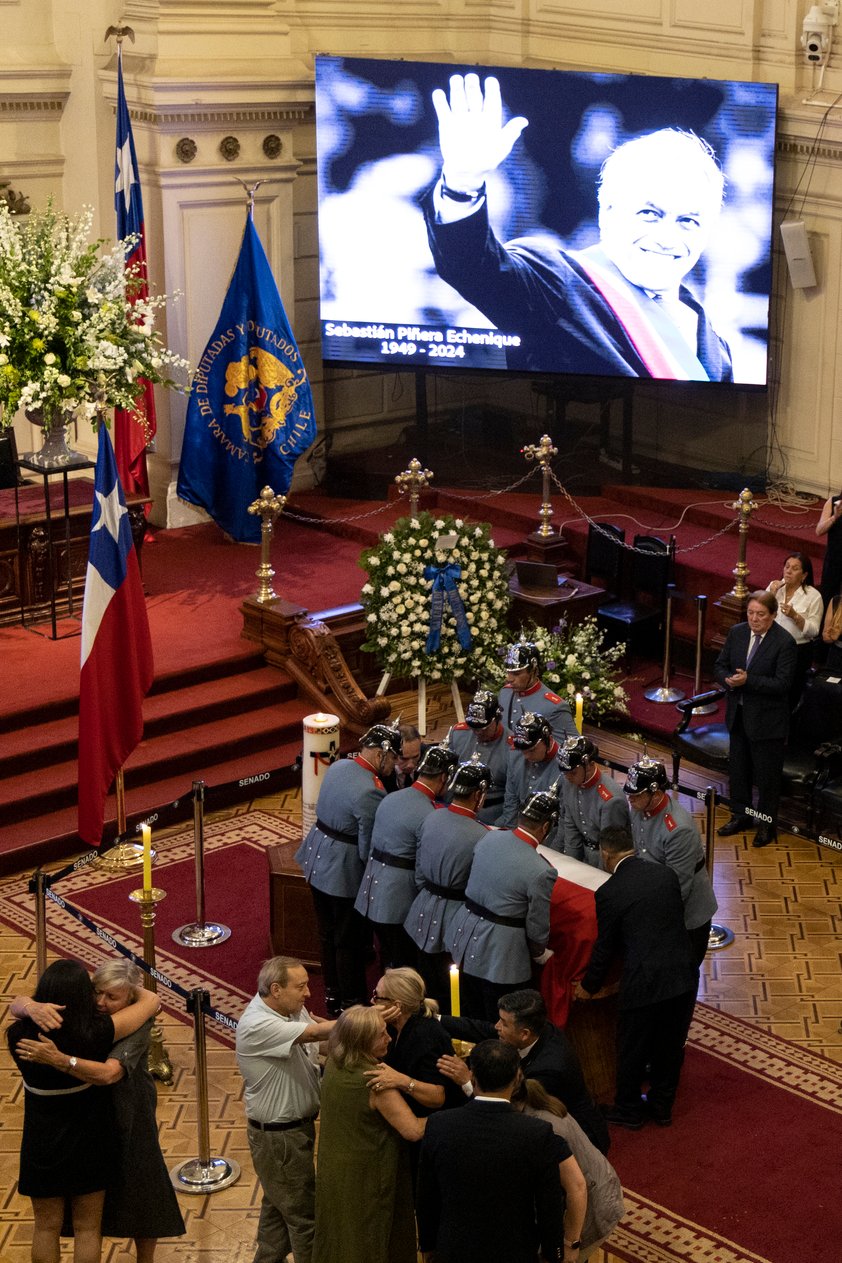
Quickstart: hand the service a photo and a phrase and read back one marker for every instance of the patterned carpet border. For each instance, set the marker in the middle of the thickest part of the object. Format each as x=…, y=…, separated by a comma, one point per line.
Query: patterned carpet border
x=768, y=1057
x=67, y=937
x=649, y=1233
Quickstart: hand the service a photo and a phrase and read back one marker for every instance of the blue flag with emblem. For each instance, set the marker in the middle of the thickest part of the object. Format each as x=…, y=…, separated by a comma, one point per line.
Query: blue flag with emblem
x=250, y=414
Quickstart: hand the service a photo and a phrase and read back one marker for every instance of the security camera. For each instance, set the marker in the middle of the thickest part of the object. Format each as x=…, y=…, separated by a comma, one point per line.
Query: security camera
x=817, y=31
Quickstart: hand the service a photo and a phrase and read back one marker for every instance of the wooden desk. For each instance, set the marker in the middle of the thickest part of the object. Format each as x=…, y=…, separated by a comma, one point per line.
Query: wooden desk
x=574, y=601
x=292, y=918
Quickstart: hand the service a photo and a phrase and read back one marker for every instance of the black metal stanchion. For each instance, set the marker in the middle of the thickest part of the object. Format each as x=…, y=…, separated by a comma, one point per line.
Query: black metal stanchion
x=720, y=935
x=38, y=887
x=203, y=1174
x=665, y=693
x=701, y=616
x=199, y=933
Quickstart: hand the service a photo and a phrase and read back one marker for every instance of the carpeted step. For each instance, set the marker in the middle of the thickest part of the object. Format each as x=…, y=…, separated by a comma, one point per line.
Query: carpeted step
x=171, y=754
x=53, y=836
x=220, y=697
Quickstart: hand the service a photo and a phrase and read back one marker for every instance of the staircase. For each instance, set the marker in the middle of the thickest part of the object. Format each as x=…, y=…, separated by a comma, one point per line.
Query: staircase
x=216, y=722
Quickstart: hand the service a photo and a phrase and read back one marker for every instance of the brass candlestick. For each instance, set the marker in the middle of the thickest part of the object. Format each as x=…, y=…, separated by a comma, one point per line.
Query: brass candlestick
x=413, y=479
x=267, y=506
x=158, y=1062
x=746, y=506
x=543, y=453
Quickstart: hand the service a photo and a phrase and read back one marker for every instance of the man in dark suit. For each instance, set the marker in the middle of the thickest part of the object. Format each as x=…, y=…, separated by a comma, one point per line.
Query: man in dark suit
x=517, y=1207
x=756, y=665
x=640, y=917
x=545, y=1054
x=406, y=764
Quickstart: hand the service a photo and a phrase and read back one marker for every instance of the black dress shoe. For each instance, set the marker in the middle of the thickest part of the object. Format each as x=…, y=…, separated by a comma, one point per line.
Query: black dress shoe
x=764, y=835
x=659, y=1114
x=631, y=1120
x=737, y=824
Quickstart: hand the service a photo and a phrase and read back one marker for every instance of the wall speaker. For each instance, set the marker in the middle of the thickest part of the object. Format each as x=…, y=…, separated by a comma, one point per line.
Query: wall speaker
x=798, y=257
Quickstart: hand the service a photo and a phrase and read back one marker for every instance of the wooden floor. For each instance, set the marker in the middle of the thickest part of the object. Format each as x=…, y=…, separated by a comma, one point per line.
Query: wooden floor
x=784, y=904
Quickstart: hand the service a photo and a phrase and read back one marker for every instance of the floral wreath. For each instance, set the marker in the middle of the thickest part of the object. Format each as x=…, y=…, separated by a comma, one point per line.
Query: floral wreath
x=436, y=615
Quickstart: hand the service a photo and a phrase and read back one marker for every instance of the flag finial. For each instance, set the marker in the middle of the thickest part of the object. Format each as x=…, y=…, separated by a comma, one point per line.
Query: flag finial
x=250, y=189
x=120, y=32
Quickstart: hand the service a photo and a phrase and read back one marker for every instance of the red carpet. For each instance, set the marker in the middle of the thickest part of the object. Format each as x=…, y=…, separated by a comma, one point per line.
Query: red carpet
x=745, y=1174
x=751, y=1155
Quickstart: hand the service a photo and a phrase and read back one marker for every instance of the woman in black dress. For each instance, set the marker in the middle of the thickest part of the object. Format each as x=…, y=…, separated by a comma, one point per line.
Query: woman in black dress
x=69, y=1133
x=140, y=1201
x=417, y=1043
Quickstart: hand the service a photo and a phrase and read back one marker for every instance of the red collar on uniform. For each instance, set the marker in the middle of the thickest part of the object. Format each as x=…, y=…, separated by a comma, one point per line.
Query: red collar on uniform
x=462, y=811
x=423, y=789
x=363, y=762
x=526, y=837
x=533, y=688
x=552, y=750
x=656, y=811
x=589, y=784
x=501, y=732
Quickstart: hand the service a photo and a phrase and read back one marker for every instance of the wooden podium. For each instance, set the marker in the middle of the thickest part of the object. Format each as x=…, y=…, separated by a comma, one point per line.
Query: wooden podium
x=292, y=919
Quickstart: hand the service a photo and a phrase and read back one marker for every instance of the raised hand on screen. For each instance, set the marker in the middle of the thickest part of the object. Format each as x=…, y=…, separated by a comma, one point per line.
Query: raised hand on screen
x=473, y=138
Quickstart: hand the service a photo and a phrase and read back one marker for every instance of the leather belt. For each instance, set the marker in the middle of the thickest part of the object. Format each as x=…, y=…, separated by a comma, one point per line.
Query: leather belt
x=391, y=861
x=445, y=892
x=293, y=1122
x=514, y=923
x=699, y=866
x=350, y=838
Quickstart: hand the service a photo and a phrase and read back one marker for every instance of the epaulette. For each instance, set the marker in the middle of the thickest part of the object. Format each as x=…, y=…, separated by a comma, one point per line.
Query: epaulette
x=603, y=792
x=670, y=822
x=553, y=697
x=463, y=727
x=510, y=741
x=378, y=784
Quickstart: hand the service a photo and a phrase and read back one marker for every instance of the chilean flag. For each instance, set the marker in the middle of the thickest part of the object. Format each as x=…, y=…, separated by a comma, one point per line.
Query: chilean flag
x=117, y=666
x=132, y=430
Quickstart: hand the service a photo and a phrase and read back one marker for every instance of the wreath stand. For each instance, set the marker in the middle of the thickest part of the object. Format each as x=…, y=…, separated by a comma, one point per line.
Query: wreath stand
x=422, y=699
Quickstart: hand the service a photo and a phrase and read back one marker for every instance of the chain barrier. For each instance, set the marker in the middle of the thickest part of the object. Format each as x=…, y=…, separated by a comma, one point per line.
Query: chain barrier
x=597, y=526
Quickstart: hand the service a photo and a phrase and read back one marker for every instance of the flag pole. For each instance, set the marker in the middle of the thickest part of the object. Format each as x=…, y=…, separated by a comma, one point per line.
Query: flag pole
x=251, y=189
x=123, y=855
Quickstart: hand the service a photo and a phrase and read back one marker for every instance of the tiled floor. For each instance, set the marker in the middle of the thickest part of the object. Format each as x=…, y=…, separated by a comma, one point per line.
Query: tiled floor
x=784, y=904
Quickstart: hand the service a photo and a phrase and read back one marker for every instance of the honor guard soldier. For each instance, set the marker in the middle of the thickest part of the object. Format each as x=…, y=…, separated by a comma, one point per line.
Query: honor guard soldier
x=592, y=801
x=533, y=752
x=483, y=734
x=388, y=885
x=442, y=864
x=665, y=833
x=504, y=924
x=333, y=857
x=524, y=692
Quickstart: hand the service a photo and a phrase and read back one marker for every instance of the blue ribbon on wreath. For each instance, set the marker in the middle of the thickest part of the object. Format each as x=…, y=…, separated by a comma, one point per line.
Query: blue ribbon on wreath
x=443, y=579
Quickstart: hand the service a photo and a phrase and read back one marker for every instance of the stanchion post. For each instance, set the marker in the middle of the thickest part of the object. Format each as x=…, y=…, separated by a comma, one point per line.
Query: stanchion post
x=198, y=933
x=701, y=618
x=203, y=1174
x=720, y=935
x=39, y=889
x=665, y=693
x=158, y=1062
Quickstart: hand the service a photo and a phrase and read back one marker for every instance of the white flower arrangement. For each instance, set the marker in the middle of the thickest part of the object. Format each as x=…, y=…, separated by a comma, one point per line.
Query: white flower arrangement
x=400, y=605
x=575, y=661
x=75, y=336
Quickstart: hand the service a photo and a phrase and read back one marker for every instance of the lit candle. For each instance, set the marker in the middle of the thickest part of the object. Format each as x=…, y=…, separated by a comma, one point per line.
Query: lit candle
x=454, y=991
x=146, y=834
x=580, y=706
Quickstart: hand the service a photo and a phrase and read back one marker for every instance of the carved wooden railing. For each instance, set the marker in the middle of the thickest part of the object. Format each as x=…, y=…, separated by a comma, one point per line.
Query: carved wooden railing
x=307, y=649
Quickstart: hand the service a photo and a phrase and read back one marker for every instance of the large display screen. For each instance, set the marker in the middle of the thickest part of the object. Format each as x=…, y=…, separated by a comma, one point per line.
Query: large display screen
x=544, y=221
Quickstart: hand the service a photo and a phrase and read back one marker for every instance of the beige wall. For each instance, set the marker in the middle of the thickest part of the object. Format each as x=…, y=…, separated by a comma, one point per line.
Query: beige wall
x=243, y=68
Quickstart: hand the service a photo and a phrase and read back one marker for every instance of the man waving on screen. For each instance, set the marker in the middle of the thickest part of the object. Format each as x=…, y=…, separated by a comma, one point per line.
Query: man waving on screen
x=619, y=307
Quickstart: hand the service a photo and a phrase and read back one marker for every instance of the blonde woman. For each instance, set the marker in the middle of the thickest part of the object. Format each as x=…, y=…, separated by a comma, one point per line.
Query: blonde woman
x=418, y=1041
x=363, y=1190
x=140, y=1201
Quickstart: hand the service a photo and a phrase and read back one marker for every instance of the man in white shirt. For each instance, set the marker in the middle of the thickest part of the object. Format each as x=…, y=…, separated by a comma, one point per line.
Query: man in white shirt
x=277, y=1043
